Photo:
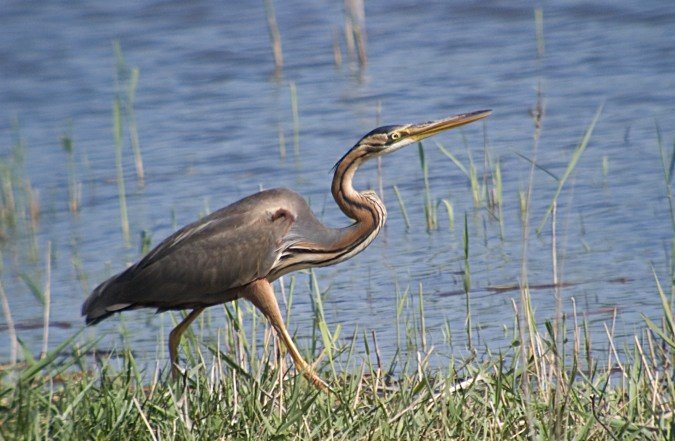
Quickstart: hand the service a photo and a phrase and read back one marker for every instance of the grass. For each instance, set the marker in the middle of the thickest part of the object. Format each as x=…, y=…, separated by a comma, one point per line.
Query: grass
x=429, y=206
x=275, y=35
x=578, y=151
x=239, y=390
x=119, y=171
x=548, y=381
x=126, y=82
x=401, y=205
x=74, y=187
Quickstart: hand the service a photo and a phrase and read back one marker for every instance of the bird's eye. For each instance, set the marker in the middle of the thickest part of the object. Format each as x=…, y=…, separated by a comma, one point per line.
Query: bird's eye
x=395, y=136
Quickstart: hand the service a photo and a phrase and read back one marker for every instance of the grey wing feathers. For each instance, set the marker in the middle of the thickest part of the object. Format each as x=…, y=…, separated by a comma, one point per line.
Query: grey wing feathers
x=202, y=263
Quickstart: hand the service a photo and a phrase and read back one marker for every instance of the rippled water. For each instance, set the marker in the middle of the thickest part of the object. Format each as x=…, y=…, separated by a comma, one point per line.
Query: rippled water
x=210, y=108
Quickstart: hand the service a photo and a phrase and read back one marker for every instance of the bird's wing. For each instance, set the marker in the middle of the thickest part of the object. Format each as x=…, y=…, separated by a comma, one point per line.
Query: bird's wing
x=199, y=263
x=227, y=249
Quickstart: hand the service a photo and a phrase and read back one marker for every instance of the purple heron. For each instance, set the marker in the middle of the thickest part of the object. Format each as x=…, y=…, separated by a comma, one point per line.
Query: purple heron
x=239, y=250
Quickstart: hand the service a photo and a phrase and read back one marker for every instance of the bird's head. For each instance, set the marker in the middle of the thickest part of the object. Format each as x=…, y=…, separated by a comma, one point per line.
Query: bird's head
x=388, y=139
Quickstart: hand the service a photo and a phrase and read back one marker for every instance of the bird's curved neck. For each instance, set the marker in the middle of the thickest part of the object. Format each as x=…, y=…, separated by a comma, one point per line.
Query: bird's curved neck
x=334, y=245
x=364, y=207
x=355, y=205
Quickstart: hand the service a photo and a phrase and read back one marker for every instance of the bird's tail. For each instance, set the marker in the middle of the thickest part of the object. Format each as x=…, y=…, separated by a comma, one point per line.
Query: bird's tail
x=104, y=301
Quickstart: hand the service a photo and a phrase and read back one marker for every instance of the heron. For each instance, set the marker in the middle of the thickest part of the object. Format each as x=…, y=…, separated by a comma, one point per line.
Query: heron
x=237, y=251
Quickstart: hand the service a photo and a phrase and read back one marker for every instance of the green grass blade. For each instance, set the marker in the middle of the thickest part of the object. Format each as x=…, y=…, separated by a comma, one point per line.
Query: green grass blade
x=665, y=305
x=37, y=366
x=570, y=166
x=453, y=158
x=540, y=167
x=119, y=171
x=402, y=207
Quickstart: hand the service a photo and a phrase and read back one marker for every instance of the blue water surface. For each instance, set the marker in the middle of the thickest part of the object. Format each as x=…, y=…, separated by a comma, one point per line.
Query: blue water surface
x=210, y=109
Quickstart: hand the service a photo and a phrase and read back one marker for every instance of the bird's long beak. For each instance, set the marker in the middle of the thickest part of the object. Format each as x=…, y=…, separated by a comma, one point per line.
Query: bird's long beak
x=417, y=132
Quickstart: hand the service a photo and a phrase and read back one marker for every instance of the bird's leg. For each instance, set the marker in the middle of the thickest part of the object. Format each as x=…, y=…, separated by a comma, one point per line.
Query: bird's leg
x=175, y=336
x=261, y=294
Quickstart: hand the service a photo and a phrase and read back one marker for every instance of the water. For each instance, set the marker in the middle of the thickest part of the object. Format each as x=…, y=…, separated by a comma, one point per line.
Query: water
x=209, y=109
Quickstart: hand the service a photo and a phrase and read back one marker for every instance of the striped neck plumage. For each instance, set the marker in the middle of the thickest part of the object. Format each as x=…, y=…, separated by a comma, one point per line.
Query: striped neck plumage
x=353, y=204
x=339, y=244
x=365, y=207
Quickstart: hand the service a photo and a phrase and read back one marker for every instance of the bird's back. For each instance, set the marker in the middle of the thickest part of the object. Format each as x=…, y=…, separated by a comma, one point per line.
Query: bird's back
x=204, y=263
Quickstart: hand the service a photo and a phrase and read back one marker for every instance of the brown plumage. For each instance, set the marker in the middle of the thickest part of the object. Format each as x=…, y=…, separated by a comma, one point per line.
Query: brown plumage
x=237, y=251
